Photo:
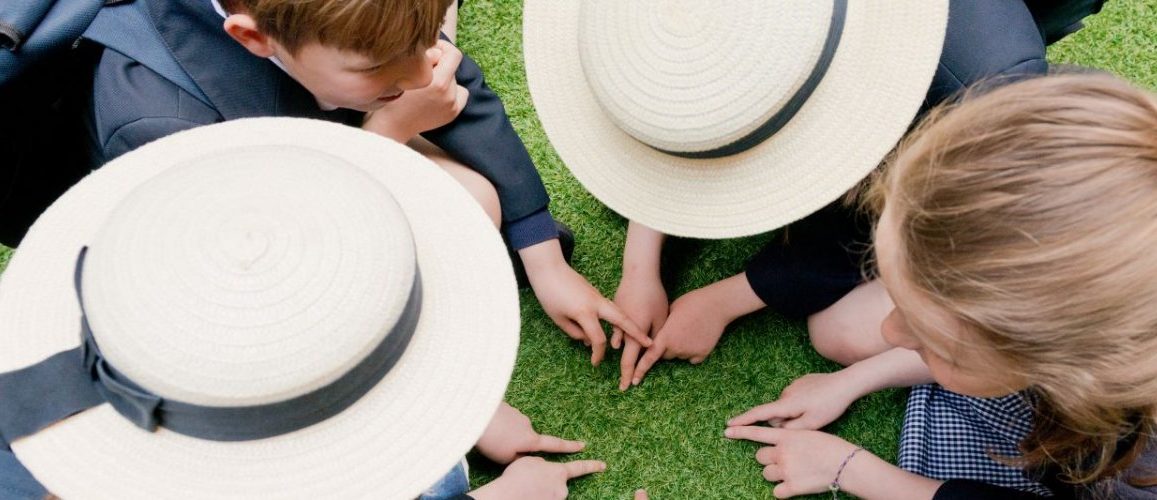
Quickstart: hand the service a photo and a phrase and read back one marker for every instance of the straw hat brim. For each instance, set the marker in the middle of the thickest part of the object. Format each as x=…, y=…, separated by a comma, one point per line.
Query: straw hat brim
x=874, y=87
x=397, y=440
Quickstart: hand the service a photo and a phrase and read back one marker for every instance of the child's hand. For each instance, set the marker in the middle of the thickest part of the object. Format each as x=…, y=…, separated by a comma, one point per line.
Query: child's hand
x=697, y=321
x=427, y=108
x=802, y=462
x=533, y=477
x=510, y=436
x=811, y=402
x=644, y=301
x=691, y=331
x=574, y=305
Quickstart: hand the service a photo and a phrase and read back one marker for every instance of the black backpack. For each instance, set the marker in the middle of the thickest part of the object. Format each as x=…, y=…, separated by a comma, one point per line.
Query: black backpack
x=48, y=53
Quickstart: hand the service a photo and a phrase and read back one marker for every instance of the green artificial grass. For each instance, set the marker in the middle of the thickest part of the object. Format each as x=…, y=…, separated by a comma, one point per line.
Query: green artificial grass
x=667, y=434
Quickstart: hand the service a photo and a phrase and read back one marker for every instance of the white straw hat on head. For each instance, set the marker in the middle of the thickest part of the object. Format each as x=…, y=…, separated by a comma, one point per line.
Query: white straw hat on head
x=264, y=274
x=727, y=118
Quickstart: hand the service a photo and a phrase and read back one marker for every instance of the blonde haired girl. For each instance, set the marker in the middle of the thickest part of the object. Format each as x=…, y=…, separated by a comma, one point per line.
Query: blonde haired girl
x=1017, y=272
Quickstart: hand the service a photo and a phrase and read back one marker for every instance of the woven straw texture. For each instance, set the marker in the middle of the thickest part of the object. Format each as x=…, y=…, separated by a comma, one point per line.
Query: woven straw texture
x=696, y=69
x=320, y=252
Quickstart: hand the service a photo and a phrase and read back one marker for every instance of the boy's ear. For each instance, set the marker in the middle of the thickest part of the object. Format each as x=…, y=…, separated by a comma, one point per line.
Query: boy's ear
x=243, y=29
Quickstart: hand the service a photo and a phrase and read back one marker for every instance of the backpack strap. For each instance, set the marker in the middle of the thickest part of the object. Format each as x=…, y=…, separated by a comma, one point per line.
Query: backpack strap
x=127, y=28
x=17, y=21
x=31, y=31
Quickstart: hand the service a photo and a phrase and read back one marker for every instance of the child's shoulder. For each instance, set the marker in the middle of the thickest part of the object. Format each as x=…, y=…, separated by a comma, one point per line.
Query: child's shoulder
x=132, y=105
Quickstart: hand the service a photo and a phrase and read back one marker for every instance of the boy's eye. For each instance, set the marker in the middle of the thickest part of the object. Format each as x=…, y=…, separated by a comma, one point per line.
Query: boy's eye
x=371, y=69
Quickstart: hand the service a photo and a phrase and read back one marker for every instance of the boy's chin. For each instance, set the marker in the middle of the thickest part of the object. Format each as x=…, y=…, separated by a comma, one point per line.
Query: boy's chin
x=366, y=108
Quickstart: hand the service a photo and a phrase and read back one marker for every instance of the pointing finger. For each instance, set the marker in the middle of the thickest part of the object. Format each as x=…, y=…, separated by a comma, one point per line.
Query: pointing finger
x=766, y=435
x=763, y=413
x=648, y=360
x=553, y=444
x=579, y=468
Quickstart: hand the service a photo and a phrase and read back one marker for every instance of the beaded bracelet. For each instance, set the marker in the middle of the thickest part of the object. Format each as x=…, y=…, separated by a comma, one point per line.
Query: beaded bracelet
x=835, y=485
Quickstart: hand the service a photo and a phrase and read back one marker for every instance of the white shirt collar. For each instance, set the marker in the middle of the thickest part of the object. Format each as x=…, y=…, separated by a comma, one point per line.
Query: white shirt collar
x=220, y=10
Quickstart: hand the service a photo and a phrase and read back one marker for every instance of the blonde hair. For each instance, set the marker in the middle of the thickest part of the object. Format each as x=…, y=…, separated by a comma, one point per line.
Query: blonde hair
x=1029, y=213
x=380, y=28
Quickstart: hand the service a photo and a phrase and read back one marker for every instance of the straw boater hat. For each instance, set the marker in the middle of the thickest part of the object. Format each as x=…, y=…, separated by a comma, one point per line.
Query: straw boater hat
x=258, y=277
x=718, y=119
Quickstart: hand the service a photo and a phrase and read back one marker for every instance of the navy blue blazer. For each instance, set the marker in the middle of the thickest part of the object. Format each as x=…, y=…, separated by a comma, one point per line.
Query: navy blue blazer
x=133, y=104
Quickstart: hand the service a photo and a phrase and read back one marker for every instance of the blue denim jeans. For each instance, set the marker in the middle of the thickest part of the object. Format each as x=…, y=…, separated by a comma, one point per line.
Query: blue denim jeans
x=454, y=483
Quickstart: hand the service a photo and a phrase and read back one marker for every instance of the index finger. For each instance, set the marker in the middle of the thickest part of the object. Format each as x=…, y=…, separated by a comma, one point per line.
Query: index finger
x=766, y=435
x=615, y=316
x=763, y=412
x=579, y=468
x=641, y=495
x=554, y=444
x=647, y=361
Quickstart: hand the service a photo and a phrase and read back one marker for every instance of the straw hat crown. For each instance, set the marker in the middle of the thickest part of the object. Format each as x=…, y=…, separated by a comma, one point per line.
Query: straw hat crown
x=240, y=279
x=727, y=118
x=275, y=308
x=688, y=76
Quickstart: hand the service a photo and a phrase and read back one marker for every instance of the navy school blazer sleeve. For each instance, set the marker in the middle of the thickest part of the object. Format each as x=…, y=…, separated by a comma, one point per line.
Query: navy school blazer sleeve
x=483, y=139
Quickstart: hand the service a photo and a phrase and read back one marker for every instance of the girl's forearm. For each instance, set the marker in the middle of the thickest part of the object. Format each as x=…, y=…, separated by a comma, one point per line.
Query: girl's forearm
x=868, y=476
x=897, y=367
x=642, y=251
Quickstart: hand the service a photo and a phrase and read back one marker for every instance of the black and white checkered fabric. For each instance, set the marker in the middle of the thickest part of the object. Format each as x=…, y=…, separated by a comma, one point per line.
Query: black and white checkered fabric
x=950, y=436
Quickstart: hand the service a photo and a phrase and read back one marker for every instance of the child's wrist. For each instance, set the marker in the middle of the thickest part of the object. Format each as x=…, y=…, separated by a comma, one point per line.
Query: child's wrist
x=642, y=250
x=859, y=380
x=388, y=129
x=734, y=297
x=868, y=476
x=640, y=271
x=401, y=134
x=857, y=471
x=543, y=256
x=490, y=491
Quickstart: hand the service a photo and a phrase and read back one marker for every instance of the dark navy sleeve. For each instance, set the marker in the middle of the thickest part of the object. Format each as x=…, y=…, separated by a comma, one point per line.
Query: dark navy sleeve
x=531, y=230
x=482, y=138
x=966, y=489
x=990, y=43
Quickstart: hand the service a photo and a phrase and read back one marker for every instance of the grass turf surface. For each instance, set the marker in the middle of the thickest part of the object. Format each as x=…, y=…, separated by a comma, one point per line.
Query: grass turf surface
x=666, y=435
